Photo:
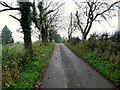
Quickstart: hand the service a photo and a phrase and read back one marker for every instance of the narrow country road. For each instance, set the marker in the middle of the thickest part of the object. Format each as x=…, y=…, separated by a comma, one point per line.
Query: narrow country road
x=66, y=70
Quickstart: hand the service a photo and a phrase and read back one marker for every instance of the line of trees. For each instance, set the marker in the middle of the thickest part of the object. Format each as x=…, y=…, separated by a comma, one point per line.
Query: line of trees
x=41, y=15
x=45, y=16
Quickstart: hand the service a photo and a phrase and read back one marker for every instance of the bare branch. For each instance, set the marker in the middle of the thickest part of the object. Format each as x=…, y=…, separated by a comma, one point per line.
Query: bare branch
x=15, y=17
x=7, y=7
x=78, y=22
x=106, y=9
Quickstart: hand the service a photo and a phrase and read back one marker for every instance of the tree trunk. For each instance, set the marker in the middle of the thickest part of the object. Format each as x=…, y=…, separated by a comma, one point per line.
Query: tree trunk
x=86, y=32
x=50, y=36
x=25, y=24
x=44, y=35
x=69, y=37
x=84, y=36
x=27, y=40
x=39, y=37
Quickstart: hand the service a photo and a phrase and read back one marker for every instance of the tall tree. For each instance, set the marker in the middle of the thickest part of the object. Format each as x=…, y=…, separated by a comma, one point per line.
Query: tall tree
x=39, y=20
x=25, y=21
x=6, y=36
x=72, y=27
x=43, y=19
x=91, y=11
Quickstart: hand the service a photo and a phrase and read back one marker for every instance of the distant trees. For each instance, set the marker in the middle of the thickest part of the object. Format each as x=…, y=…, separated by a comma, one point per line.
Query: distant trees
x=52, y=33
x=6, y=36
x=57, y=38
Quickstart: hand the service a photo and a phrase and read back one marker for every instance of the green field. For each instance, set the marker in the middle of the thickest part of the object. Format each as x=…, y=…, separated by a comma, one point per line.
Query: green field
x=9, y=51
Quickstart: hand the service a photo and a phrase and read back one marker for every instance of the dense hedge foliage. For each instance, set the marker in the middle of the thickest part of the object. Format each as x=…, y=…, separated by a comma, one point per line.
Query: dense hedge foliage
x=102, y=52
x=104, y=45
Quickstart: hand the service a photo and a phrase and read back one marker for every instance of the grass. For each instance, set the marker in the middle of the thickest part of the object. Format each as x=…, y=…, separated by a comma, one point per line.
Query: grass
x=22, y=72
x=9, y=51
x=108, y=69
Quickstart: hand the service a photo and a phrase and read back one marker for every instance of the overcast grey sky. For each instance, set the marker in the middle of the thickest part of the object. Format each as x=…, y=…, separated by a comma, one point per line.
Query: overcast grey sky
x=69, y=7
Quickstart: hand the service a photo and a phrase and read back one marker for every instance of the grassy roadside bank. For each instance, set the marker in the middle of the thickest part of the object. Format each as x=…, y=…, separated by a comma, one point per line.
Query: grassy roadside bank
x=108, y=69
x=19, y=71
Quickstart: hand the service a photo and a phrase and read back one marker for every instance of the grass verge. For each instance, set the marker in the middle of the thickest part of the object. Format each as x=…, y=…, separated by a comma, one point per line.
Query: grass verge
x=108, y=69
x=22, y=71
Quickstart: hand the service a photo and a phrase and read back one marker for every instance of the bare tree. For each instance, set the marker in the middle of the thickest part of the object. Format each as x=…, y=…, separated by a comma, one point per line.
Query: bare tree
x=71, y=26
x=91, y=11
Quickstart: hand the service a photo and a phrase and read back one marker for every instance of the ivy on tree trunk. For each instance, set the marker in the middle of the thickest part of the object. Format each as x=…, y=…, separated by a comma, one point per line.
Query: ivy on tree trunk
x=44, y=33
x=25, y=22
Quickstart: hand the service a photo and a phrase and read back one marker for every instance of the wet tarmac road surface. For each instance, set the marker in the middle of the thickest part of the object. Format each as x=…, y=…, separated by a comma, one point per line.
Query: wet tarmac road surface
x=66, y=70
